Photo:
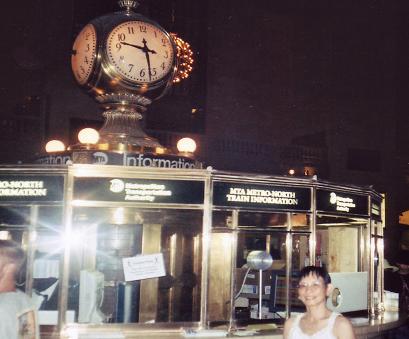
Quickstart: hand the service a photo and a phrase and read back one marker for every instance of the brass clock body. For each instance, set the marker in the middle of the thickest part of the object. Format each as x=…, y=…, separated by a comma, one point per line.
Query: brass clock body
x=125, y=61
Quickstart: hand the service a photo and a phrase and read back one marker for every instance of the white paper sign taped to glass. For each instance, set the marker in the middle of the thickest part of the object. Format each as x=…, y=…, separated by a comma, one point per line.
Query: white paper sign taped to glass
x=144, y=267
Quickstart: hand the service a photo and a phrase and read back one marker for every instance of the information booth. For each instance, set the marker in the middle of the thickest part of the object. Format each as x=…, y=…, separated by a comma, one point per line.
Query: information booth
x=125, y=250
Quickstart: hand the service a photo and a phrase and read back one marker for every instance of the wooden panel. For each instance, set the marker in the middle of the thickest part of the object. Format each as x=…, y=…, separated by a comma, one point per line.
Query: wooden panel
x=342, y=249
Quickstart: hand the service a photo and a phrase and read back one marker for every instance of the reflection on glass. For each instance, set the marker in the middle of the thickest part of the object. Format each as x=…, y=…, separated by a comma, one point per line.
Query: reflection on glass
x=222, y=219
x=111, y=290
x=262, y=220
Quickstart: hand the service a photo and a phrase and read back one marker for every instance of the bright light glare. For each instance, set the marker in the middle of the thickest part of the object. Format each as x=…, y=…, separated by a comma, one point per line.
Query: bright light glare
x=119, y=216
x=4, y=235
x=291, y=171
x=33, y=236
x=54, y=146
x=73, y=238
x=186, y=145
x=70, y=333
x=88, y=136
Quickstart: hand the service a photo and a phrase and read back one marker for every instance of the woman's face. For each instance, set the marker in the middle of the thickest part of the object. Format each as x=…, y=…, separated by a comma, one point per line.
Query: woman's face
x=312, y=290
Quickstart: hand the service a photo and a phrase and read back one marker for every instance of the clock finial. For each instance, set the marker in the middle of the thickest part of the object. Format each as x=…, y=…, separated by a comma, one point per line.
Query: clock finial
x=128, y=5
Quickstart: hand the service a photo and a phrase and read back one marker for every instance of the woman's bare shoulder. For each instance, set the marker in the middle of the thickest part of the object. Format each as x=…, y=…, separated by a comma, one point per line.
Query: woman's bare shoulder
x=289, y=321
x=287, y=326
x=343, y=328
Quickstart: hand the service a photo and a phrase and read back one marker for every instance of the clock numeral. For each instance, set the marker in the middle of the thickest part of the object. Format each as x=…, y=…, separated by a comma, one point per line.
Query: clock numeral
x=87, y=35
x=121, y=37
x=88, y=48
x=142, y=73
x=156, y=35
x=86, y=59
x=130, y=67
x=166, y=54
x=118, y=46
x=162, y=65
x=164, y=41
x=142, y=29
x=153, y=71
x=130, y=30
x=82, y=69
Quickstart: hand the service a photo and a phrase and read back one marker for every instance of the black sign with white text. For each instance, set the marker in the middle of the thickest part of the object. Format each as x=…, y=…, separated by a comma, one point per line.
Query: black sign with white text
x=139, y=190
x=261, y=196
x=31, y=188
x=343, y=203
x=115, y=158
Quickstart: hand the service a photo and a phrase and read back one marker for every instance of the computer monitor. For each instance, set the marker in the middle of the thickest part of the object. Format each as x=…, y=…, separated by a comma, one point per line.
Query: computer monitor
x=350, y=292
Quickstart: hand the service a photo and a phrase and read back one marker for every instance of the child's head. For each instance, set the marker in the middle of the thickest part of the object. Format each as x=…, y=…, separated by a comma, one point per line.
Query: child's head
x=316, y=271
x=11, y=254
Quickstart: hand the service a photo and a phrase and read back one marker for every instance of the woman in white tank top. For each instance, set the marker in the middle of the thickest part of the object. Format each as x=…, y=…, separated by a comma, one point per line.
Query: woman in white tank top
x=318, y=322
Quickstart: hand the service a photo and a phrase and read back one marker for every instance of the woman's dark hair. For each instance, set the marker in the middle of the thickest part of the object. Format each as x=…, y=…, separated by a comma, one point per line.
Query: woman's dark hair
x=317, y=271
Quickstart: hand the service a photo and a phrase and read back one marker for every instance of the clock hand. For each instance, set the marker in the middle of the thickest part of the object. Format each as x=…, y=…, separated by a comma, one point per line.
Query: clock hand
x=132, y=45
x=145, y=47
x=147, y=51
x=149, y=64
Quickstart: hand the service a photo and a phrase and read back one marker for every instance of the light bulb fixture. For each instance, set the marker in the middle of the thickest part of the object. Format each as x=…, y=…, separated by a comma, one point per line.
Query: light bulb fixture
x=291, y=171
x=88, y=136
x=186, y=145
x=54, y=146
x=185, y=58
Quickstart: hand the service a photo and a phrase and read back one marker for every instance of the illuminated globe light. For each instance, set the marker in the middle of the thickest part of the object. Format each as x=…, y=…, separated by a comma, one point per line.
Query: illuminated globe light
x=54, y=146
x=186, y=145
x=88, y=136
x=291, y=171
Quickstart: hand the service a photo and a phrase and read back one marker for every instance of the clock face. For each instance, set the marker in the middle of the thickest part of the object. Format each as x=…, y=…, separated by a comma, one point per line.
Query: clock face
x=140, y=52
x=83, y=54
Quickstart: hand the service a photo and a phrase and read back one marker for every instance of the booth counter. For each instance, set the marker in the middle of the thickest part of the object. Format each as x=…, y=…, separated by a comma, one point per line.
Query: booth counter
x=140, y=251
x=364, y=328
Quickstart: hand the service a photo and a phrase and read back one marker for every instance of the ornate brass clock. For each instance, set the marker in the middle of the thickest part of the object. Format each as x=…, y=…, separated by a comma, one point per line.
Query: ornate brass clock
x=125, y=61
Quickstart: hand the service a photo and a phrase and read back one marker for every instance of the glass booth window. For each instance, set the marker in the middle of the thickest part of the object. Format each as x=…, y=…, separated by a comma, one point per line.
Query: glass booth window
x=262, y=220
x=39, y=231
x=136, y=266
x=14, y=216
x=231, y=246
x=341, y=246
x=274, y=278
x=339, y=243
